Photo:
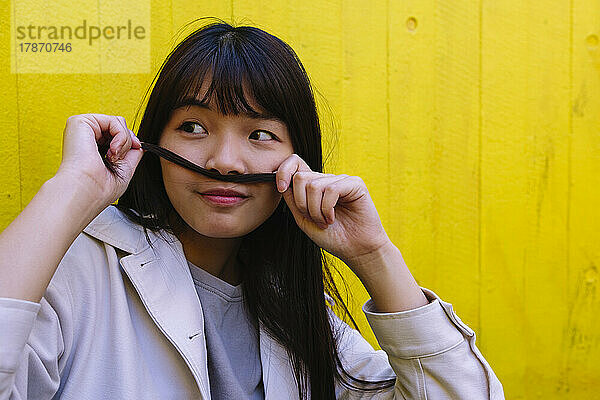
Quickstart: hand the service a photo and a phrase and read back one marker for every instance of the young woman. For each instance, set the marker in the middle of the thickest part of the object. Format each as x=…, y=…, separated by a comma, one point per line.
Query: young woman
x=213, y=286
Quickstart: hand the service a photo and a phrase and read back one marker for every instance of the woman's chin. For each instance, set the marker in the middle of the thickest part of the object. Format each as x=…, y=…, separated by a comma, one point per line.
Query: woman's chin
x=223, y=231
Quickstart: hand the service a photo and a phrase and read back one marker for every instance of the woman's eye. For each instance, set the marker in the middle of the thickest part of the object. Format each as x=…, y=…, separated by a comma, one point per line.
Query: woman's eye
x=191, y=127
x=196, y=128
x=265, y=135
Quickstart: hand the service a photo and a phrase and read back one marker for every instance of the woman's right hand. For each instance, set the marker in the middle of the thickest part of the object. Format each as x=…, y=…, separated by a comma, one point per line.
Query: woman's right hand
x=83, y=162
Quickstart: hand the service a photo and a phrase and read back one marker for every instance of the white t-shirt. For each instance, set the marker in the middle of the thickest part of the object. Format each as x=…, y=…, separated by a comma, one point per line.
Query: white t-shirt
x=234, y=366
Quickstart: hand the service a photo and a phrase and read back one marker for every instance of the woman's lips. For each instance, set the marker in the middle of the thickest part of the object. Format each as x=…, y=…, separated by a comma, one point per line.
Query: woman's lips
x=222, y=200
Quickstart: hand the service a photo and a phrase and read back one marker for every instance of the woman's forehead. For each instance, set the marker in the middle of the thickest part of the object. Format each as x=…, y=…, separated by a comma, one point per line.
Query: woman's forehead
x=222, y=91
x=188, y=102
x=224, y=98
x=250, y=109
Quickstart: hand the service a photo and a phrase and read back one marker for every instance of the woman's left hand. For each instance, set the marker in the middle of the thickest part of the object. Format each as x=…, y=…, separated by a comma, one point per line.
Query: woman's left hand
x=335, y=211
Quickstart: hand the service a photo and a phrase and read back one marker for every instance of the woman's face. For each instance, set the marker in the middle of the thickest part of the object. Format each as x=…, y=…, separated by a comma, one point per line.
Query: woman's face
x=230, y=145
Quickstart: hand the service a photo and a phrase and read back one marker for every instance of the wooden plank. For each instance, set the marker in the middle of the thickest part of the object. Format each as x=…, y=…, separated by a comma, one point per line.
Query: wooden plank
x=579, y=348
x=524, y=175
x=434, y=147
x=364, y=130
x=121, y=93
x=412, y=111
x=10, y=179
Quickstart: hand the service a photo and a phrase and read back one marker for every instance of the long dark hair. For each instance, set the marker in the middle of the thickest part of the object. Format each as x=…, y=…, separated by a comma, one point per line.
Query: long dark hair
x=286, y=275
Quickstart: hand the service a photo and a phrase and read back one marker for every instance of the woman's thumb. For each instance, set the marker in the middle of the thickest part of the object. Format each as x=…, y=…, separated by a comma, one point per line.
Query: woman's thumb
x=132, y=158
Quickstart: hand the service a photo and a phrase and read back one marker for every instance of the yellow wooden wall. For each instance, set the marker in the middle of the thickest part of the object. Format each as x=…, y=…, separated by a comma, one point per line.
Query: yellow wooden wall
x=475, y=125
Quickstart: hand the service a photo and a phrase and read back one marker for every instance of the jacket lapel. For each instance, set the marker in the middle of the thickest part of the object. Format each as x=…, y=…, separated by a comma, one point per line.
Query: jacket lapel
x=159, y=278
x=164, y=284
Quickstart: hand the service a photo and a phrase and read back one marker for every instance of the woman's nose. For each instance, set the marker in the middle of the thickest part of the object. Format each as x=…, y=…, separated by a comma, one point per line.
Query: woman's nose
x=224, y=155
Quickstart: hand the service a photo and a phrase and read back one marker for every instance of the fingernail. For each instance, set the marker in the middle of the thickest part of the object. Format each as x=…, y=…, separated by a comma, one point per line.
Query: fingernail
x=280, y=186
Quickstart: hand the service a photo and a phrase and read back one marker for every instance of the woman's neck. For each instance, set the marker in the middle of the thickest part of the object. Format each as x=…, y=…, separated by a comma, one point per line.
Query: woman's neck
x=216, y=256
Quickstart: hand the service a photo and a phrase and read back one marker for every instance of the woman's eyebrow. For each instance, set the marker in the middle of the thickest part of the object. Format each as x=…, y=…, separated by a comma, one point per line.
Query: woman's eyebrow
x=190, y=101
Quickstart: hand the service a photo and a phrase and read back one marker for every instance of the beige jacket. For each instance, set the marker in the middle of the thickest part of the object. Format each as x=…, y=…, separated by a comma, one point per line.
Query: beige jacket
x=122, y=321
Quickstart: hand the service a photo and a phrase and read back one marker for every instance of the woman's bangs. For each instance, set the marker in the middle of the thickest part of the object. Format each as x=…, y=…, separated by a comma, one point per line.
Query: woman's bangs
x=228, y=74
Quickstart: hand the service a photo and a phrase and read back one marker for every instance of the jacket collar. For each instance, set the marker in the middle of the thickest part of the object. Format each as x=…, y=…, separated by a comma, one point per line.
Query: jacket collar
x=160, y=274
x=113, y=227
